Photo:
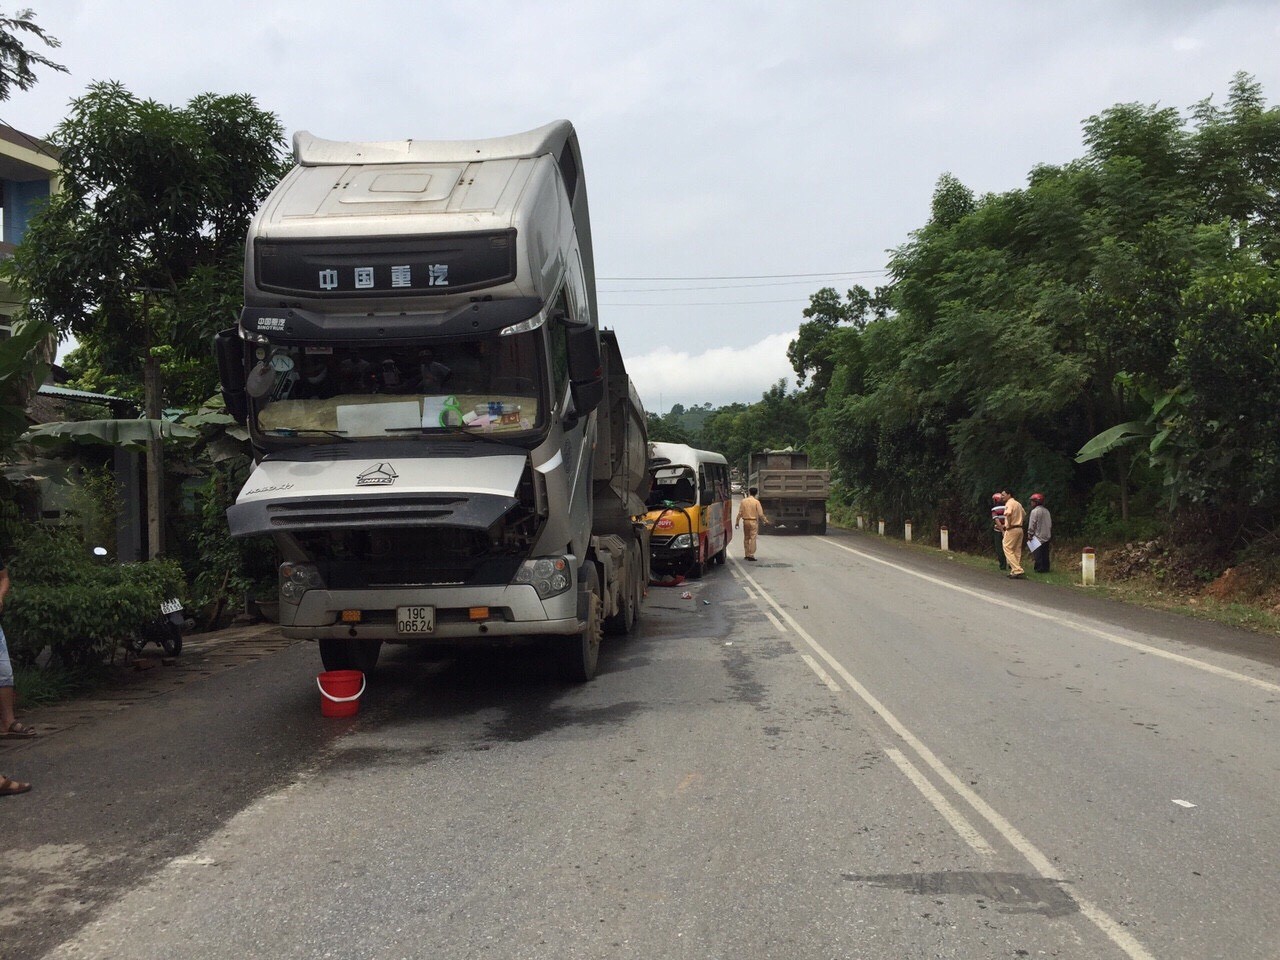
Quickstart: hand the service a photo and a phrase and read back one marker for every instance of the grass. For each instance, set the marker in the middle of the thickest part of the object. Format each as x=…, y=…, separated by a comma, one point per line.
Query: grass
x=1144, y=592
x=36, y=686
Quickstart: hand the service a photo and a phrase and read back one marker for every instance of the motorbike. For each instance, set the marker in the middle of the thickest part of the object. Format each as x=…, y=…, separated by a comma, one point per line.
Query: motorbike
x=165, y=630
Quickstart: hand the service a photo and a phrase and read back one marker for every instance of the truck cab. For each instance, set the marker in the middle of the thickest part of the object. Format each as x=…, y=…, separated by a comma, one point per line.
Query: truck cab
x=419, y=366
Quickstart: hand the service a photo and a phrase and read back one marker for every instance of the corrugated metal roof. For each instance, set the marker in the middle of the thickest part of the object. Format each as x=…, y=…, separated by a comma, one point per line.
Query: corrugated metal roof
x=49, y=390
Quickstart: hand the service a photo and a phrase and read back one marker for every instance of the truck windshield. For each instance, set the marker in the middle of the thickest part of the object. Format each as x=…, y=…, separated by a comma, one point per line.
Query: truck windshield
x=334, y=393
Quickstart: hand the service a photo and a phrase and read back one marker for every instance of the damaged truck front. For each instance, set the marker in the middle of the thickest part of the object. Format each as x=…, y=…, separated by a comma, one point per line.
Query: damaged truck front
x=448, y=449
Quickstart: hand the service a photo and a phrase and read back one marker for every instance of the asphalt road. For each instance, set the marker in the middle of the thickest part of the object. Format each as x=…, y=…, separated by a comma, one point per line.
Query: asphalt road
x=848, y=749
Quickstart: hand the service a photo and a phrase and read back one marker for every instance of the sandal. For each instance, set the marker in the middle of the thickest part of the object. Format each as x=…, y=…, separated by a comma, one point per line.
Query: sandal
x=17, y=731
x=11, y=788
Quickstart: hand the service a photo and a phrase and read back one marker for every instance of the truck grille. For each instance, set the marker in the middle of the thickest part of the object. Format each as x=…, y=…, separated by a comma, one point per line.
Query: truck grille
x=360, y=511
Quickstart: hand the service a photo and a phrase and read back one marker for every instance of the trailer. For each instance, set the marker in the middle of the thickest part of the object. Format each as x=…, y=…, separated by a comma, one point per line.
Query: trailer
x=793, y=495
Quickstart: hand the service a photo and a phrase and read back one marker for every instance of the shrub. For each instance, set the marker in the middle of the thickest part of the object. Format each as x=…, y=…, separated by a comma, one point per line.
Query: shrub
x=1103, y=523
x=81, y=608
x=229, y=567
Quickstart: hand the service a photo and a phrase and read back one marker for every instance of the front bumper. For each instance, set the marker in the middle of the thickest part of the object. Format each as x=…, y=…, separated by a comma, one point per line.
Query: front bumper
x=513, y=611
x=667, y=559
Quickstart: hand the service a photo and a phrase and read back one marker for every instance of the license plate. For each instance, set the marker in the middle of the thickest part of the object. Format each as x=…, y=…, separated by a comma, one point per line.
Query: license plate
x=171, y=606
x=415, y=619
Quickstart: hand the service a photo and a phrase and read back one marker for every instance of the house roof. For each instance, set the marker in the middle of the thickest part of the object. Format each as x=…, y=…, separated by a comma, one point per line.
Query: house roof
x=54, y=391
x=43, y=412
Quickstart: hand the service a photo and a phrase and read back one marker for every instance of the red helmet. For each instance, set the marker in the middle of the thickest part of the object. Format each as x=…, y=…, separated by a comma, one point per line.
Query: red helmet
x=995, y=496
x=1037, y=497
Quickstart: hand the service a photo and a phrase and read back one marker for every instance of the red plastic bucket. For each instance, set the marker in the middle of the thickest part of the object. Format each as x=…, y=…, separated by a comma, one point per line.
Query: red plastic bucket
x=340, y=692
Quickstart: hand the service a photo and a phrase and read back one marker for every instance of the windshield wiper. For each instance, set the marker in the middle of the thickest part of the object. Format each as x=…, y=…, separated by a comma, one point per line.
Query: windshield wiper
x=452, y=430
x=308, y=432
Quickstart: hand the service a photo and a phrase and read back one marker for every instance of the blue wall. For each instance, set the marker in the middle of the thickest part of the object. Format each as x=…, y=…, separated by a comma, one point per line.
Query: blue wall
x=21, y=198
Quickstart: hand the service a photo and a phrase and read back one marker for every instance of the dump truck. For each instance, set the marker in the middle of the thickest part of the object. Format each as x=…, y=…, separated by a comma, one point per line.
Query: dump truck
x=794, y=496
x=448, y=448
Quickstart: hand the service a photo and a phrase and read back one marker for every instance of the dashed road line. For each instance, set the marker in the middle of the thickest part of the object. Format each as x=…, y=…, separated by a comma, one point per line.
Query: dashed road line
x=940, y=803
x=1014, y=837
x=824, y=676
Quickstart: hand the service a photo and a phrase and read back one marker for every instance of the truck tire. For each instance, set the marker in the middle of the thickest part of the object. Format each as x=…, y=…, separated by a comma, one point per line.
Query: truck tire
x=638, y=586
x=350, y=653
x=578, y=655
x=821, y=528
x=620, y=623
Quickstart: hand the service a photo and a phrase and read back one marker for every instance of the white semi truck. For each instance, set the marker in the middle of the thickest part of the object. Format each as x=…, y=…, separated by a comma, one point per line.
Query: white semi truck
x=448, y=448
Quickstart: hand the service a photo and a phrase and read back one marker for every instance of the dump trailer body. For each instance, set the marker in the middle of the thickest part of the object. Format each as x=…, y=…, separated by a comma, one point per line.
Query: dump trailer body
x=793, y=495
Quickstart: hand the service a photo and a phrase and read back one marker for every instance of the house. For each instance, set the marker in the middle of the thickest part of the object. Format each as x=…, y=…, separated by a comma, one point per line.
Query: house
x=28, y=177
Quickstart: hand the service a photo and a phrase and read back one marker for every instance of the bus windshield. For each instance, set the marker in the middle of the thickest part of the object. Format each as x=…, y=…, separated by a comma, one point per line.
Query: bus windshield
x=673, y=484
x=359, y=392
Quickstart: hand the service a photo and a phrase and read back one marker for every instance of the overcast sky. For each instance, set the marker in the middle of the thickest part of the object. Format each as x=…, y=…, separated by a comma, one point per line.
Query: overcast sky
x=738, y=155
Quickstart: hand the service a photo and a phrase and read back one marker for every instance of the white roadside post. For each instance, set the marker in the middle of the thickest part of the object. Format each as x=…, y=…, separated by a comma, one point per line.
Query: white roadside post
x=881, y=529
x=946, y=545
x=1088, y=569
x=906, y=532
x=859, y=521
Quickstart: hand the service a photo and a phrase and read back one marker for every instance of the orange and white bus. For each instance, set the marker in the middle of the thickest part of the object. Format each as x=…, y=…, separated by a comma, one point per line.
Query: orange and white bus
x=690, y=509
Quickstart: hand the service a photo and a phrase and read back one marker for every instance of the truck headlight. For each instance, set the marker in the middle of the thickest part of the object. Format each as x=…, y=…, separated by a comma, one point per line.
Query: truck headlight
x=683, y=542
x=548, y=575
x=297, y=578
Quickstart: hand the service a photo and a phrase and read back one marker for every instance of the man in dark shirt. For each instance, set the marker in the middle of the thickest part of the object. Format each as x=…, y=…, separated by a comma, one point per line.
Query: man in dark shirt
x=1040, y=529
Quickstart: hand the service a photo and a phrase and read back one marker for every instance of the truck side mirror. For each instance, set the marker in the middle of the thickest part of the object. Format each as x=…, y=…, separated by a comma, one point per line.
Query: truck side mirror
x=228, y=350
x=586, y=371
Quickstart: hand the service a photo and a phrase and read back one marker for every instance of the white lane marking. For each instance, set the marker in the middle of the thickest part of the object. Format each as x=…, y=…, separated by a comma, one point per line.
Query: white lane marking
x=1039, y=862
x=1026, y=611
x=1185, y=803
x=776, y=622
x=823, y=675
x=940, y=803
x=194, y=861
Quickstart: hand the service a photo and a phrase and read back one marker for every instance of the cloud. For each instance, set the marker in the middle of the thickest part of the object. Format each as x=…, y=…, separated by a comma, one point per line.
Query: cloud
x=718, y=376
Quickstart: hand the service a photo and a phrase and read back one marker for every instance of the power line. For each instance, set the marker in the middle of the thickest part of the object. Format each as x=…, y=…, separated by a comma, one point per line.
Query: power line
x=760, y=276
x=700, y=303
x=38, y=145
x=741, y=286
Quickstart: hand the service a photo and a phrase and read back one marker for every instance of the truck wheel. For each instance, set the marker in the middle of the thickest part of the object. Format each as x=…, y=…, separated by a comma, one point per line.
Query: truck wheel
x=638, y=587
x=620, y=622
x=580, y=654
x=350, y=653
x=720, y=557
x=638, y=584
x=821, y=529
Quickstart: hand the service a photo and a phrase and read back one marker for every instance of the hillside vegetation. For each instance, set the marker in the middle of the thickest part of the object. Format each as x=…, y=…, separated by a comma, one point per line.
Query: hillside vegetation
x=1106, y=334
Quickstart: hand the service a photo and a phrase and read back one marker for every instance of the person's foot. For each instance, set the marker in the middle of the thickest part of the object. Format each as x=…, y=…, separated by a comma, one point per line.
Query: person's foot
x=17, y=731
x=11, y=788
x=1017, y=576
x=752, y=559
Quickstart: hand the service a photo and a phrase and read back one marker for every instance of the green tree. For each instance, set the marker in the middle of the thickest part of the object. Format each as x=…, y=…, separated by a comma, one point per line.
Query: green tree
x=1128, y=296
x=16, y=61
x=140, y=255
x=25, y=357
x=667, y=428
